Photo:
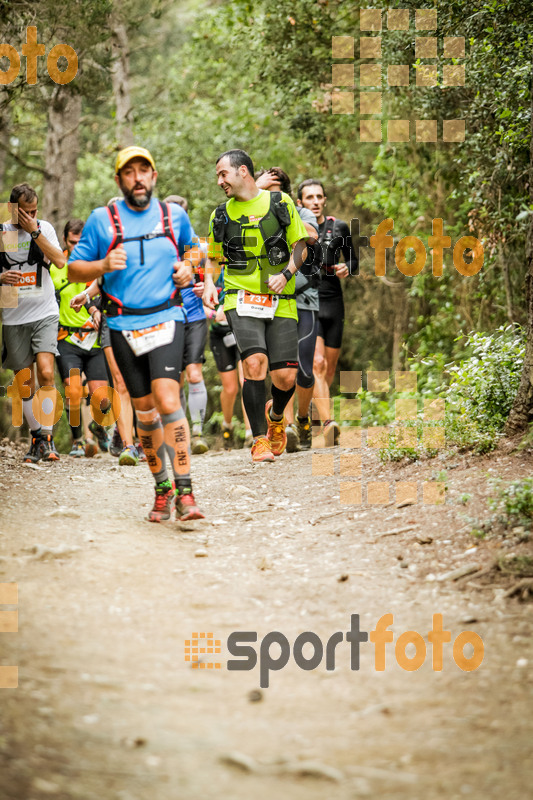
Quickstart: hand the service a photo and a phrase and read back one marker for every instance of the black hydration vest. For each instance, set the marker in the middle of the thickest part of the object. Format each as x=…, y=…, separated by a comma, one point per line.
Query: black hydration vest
x=35, y=256
x=330, y=245
x=114, y=307
x=272, y=228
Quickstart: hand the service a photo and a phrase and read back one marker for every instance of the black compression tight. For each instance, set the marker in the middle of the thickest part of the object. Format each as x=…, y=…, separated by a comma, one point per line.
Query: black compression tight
x=254, y=399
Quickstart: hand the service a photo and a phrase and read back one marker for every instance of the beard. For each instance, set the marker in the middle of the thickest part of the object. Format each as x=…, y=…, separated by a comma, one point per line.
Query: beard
x=139, y=200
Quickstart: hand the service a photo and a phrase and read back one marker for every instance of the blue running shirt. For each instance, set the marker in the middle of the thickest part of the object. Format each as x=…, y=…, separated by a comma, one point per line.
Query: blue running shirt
x=138, y=285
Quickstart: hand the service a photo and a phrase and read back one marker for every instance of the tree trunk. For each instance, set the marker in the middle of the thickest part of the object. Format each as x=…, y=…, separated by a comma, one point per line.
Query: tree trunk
x=62, y=148
x=5, y=125
x=522, y=410
x=507, y=283
x=120, y=76
x=400, y=300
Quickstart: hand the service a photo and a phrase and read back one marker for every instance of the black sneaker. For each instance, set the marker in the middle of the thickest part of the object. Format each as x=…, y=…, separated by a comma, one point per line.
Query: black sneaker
x=227, y=438
x=34, y=453
x=292, y=439
x=116, y=446
x=48, y=449
x=303, y=426
x=101, y=435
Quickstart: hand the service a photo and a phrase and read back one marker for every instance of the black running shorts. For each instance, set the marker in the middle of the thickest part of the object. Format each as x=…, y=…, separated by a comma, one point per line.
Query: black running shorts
x=277, y=338
x=226, y=358
x=90, y=362
x=331, y=321
x=139, y=371
x=195, y=341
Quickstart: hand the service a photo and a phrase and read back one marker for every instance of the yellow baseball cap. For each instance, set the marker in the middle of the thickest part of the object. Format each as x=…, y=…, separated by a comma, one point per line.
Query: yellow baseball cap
x=133, y=152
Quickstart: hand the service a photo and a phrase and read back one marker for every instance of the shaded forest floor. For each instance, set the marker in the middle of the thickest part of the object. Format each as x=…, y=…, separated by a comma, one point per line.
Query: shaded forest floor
x=107, y=707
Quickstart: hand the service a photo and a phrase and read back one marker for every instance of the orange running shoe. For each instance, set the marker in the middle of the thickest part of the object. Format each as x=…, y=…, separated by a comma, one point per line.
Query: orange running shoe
x=262, y=450
x=276, y=432
x=186, y=508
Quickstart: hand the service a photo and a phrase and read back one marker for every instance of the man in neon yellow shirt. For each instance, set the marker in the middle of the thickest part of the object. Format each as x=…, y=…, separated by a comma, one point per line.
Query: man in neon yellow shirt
x=260, y=239
x=78, y=346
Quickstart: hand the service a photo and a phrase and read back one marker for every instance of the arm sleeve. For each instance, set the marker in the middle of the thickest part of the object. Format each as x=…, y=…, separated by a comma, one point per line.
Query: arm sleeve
x=350, y=256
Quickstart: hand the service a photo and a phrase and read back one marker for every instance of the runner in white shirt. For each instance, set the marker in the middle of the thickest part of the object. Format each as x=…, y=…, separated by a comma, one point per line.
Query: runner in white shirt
x=29, y=331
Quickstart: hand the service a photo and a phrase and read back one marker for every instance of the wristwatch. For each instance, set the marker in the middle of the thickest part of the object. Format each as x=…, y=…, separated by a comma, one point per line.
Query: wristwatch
x=35, y=234
x=287, y=274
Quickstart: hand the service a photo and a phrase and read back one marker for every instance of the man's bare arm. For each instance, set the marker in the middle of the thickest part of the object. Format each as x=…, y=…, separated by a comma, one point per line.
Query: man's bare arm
x=278, y=281
x=29, y=224
x=54, y=255
x=89, y=270
x=210, y=296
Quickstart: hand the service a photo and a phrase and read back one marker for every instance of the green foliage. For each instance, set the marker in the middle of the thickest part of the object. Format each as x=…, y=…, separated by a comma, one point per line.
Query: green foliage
x=396, y=450
x=519, y=566
x=483, y=386
x=467, y=435
x=514, y=502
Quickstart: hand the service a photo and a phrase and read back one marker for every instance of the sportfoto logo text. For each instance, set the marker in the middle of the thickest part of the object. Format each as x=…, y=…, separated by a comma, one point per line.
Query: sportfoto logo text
x=32, y=50
x=275, y=649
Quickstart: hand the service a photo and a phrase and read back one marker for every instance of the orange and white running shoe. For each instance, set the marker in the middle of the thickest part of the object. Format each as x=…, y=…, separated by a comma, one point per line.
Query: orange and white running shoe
x=262, y=450
x=276, y=431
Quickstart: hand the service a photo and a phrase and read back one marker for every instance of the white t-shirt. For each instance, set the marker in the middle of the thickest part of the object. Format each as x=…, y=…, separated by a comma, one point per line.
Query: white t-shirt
x=35, y=302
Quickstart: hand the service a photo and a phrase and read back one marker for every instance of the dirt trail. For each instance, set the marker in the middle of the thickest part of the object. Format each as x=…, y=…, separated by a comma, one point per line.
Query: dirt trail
x=108, y=708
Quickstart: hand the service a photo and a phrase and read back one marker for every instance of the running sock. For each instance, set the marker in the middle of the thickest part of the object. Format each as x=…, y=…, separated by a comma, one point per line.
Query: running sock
x=303, y=420
x=280, y=398
x=183, y=486
x=197, y=402
x=176, y=433
x=153, y=442
x=29, y=416
x=77, y=432
x=183, y=399
x=254, y=399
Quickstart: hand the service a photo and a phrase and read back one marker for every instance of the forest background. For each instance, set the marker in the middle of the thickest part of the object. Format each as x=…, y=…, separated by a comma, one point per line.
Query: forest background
x=191, y=79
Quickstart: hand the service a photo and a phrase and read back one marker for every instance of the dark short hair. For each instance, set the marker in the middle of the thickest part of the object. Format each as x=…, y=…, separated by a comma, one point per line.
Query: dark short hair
x=281, y=175
x=309, y=182
x=24, y=191
x=178, y=200
x=238, y=158
x=74, y=226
